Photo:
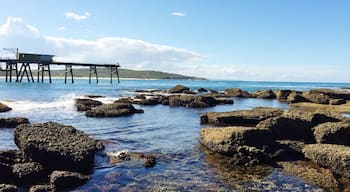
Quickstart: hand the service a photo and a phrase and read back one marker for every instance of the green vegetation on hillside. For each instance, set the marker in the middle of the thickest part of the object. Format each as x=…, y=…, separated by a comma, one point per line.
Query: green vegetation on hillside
x=123, y=73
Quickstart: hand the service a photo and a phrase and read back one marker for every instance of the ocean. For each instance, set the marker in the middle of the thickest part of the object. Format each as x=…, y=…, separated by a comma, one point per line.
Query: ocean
x=169, y=133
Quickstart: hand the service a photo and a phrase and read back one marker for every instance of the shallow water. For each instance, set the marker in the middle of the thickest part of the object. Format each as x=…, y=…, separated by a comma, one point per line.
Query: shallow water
x=169, y=133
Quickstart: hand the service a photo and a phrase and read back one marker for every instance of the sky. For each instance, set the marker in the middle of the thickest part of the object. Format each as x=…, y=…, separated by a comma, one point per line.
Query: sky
x=254, y=40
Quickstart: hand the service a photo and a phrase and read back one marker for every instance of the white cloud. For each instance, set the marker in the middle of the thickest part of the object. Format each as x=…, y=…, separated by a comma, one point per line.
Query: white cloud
x=178, y=14
x=62, y=28
x=77, y=17
x=15, y=27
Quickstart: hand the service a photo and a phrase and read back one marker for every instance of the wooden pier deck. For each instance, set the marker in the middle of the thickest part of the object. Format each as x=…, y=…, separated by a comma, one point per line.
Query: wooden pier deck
x=17, y=69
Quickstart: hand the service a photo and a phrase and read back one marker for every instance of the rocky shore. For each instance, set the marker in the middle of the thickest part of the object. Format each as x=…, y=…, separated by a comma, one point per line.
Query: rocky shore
x=56, y=157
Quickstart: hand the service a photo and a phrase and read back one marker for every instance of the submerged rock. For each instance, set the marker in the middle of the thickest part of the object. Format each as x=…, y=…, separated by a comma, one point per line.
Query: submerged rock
x=334, y=157
x=226, y=140
x=249, y=156
x=150, y=161
x=179, y=89
x=86, y=104
x=241, y=117
x=67, y=180
x=4, y=108
x=312, y=174
x=113, y=110
x=333, y=133
x=56, y=146
x=12, y=122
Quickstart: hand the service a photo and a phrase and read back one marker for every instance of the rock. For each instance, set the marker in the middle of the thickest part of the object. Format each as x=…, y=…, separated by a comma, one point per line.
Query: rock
x=86, y=104
x=202, y=90
x=333, y=133
x=236, y=92
x=296, y=97
x=213, y=91
x=4, y=108
x=179, y=89
x=337, y=101
x=295, y=124
x=7, y=159
x=333, y=157
x=67, y=180
x=287, y=128
x=42, y=188
x=287, y=150
x=318, y=98
x=265, y=94
x=150, y=161
x=225, y=140
x=56, y=146
x=241, y=117
x=334, y=94
x=28, y=173
x=94, y=96
x=12, y=122
x=145, y=101
x=117, y=157
x=113, y=110
x=224, y=101
x=194, y=101
x=312, y=174
x=313, y=118
x=249, y=156
x=282, y=95
x=8, y=188
x=344, y=108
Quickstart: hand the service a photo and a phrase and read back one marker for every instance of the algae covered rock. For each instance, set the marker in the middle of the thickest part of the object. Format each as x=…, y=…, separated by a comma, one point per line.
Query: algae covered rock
x=334, y=157
x=67, y=180
x=56, y=146
x=179, y=89
x=333, y=133
x=113, y=110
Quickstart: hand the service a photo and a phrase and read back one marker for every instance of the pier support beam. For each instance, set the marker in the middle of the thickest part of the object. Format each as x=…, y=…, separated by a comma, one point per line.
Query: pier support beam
x=25, y=68
x=114, y=70
x=42, y=67
x=10, y=67
x=69, y=69
x=93, y=70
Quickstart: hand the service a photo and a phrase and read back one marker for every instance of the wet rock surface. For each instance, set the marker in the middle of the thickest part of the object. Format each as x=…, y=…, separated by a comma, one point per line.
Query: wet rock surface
x=12, y=122
x=113, y=110
x=193, y=101
x=333, y=133
x=241, y=117
x=63, y=180
x=56, y=146
x=4, y=108
x=333, y=157
x=86, y=104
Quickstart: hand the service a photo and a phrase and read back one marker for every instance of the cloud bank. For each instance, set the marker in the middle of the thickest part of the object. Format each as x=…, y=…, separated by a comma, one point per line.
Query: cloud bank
x=77, y=17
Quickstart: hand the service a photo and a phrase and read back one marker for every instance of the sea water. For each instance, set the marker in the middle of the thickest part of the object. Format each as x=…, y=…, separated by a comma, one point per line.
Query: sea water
x=169, y=133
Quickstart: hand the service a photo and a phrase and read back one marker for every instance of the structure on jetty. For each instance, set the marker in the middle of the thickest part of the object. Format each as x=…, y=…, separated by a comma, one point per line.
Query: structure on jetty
x=21, y=66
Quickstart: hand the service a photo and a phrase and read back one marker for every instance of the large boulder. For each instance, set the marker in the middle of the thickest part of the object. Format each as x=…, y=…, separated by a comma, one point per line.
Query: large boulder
x=265, y=94
x=4, y=108
x=237, y=92
x=113, y=110
x=86, y=104
x=332, y=93
x=318, y=98
x=194, y=101
x=28, y=173
x=282, y=95
x=295, y=124
x=225, y=140
x=333, y=133
x=179, y=89
x=63, y=180
x=241, y=117
x=12, y=122
x=287, y=128
x=334, y=157
x=56, y=146
x=296, y=97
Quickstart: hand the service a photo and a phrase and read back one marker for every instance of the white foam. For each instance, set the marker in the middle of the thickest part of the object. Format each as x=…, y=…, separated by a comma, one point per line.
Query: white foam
x=64, y=103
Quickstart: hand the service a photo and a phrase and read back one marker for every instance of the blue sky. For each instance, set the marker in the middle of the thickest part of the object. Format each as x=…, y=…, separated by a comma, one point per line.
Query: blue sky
x=271, y=40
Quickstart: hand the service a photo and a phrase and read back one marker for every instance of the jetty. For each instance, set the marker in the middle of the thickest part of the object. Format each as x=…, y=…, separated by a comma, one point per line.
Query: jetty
x=16, y=69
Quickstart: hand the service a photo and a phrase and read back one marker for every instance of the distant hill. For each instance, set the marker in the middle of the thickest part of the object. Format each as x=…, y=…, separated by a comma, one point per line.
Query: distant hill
x=123, y=73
